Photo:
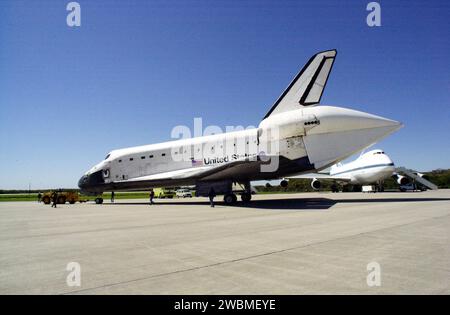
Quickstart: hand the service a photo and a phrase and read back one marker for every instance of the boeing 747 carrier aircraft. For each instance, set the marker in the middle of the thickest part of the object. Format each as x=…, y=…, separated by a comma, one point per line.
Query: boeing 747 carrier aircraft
x=296, y=136
x=369, y=168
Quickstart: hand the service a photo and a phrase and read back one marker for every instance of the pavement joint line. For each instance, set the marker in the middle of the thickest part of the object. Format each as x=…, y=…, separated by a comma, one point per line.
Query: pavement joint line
x=250, y=257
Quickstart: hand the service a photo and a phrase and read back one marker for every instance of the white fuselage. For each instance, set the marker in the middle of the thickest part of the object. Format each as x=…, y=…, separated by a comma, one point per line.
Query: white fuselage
x=304, y=140
x=370, y=168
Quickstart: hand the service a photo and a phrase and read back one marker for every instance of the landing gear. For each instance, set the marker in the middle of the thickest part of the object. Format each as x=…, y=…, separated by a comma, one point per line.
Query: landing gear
x=229, y=198
x=98, y=200
x=380, y=186
x=246, y=196
x=225, y=188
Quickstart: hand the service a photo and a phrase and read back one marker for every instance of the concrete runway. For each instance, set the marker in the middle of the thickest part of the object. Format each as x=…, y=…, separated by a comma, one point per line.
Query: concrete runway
x=279, y=244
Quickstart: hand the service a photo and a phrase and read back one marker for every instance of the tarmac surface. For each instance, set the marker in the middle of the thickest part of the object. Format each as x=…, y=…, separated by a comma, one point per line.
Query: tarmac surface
x=310, y=243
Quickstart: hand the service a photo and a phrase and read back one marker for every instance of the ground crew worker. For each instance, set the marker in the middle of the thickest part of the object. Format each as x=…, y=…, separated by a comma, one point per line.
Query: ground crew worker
x=54, y=199
x=152, y=195
x=39, y=196
x=112, y=197
x=211, y=195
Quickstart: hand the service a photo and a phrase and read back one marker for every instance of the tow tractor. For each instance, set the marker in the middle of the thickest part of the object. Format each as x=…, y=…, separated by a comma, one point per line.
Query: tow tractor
x=63, y=197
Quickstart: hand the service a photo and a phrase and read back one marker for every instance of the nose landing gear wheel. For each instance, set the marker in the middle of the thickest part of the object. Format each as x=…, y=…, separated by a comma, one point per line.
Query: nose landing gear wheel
x=229, y=199
x=98, y=201
x=246, y=197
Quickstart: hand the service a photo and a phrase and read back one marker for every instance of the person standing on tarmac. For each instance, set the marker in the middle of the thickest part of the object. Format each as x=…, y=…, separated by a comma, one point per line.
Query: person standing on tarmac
x=112, y=197
x=152, y=195
x=211, y=195
x=54, y=199
x=39, y=196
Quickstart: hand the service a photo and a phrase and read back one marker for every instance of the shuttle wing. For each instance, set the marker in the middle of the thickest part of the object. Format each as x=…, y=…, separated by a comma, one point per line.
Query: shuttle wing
x=308, y=85
x=236, y=168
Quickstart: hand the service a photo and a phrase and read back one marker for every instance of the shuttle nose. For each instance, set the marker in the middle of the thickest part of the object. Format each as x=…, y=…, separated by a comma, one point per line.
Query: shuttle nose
x=91, y=183
x=82, y=182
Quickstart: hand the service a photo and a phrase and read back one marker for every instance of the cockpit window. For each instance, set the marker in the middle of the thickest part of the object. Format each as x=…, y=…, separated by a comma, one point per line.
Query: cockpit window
x=107, y=156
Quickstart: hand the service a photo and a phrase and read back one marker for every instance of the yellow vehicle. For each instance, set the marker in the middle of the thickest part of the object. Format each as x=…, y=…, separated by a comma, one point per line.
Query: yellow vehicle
x=164, y=193
x=63, y=197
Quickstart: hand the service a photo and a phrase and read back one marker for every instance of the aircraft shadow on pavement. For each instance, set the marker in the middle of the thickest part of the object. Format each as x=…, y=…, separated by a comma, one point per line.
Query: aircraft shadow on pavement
x=284, y=204
x=275, y=204
x=290, y=204
x=321, y=203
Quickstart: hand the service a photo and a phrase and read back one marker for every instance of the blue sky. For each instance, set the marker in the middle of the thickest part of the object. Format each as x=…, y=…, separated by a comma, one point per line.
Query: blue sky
x=135, y=69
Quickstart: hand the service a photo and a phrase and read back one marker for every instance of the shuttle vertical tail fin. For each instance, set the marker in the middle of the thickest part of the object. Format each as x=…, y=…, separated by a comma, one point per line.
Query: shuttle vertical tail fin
x=308, y=85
